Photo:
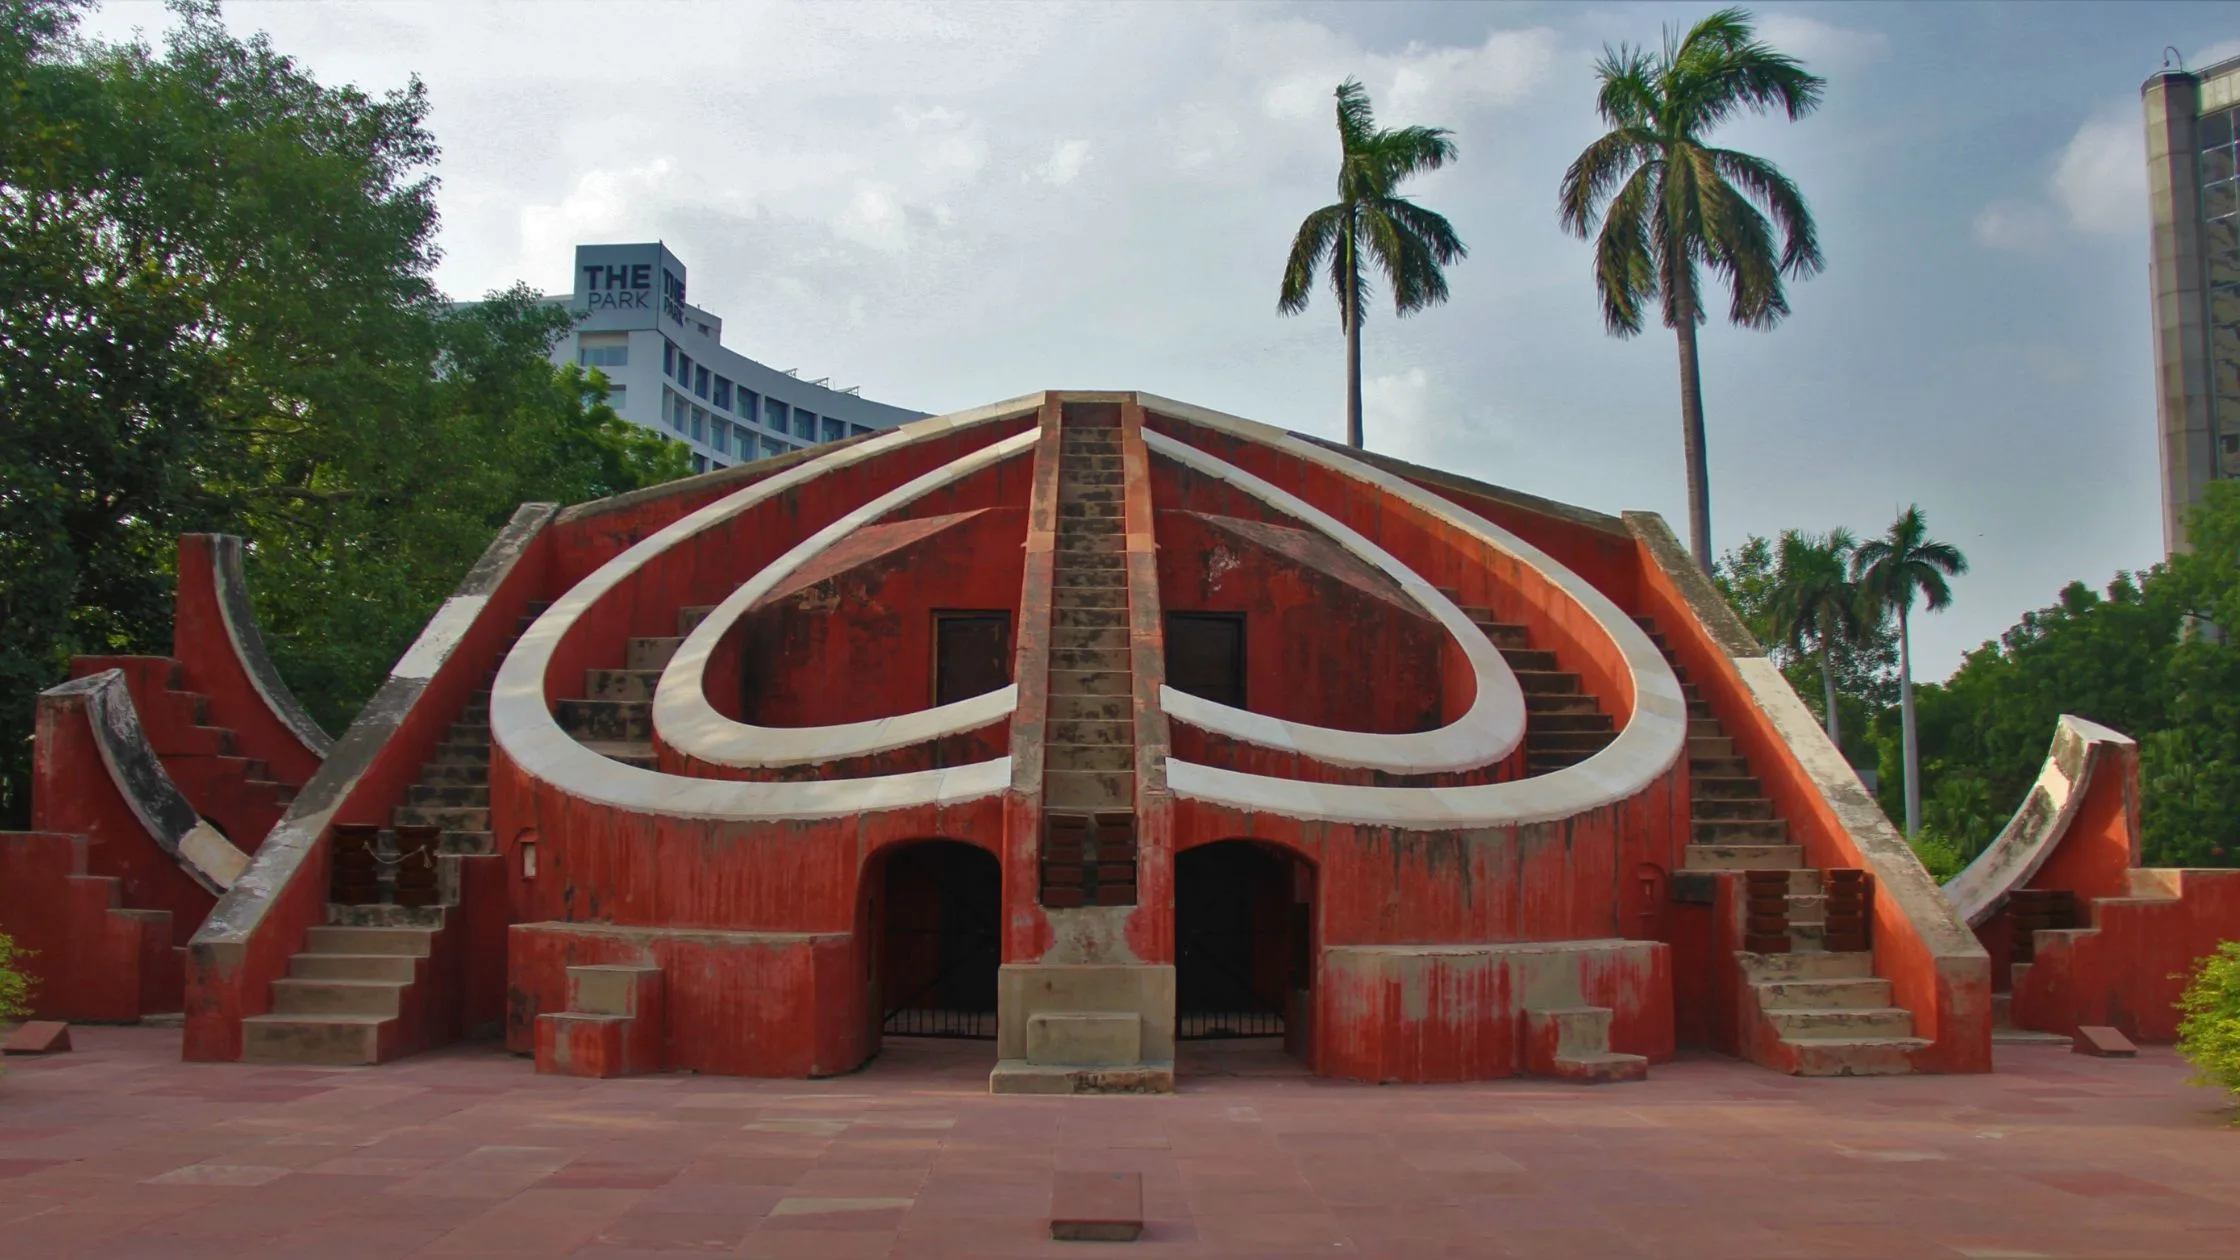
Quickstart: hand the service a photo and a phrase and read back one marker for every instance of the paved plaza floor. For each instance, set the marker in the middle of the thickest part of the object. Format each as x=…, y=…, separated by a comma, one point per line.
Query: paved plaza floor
x=120, y=1150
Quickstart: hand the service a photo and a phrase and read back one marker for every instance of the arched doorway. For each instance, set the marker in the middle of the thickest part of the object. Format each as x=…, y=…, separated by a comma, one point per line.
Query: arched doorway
x=940, y=941
x=1244, y=954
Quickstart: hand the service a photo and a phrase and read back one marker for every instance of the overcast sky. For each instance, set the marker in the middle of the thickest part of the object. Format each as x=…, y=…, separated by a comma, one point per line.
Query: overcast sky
x=955, y=204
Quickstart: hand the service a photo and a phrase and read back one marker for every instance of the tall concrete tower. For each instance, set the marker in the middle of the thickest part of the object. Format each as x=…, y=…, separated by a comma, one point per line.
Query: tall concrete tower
x=2191, y=119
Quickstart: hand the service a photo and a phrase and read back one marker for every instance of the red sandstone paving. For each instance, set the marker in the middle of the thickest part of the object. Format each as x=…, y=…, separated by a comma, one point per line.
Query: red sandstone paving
x=119, y=1150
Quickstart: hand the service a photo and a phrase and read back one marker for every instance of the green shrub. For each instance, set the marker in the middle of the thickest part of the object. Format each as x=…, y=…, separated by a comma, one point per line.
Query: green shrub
x=2209, y=1036
x=1940, y=855
x=15, y=987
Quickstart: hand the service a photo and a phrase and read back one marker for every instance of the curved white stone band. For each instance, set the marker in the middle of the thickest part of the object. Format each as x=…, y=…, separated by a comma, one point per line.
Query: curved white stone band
x=685, y=721
x=2042, y=822
x=523, y=724
x=1648, y=747
x=1490, y=730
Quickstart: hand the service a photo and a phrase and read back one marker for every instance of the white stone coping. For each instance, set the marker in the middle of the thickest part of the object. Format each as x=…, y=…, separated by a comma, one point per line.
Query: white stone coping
x=685, y=720
x=522, y=722
x=2042, y=822
x=1490, y=730
x=1651, y=743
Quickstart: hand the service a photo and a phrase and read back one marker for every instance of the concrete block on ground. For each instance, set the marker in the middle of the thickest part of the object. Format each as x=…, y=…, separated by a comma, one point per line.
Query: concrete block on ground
x=1085, y=1038
x=2103, y=1042
x=1096, y=1206
x=574, y=1043
x=37, y=1036
x=1025, y=990
x=1017, y=1076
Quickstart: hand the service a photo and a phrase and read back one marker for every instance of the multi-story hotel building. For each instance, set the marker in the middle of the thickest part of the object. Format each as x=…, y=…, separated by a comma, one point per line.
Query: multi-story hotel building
x=2193, y=121
x=669, y=370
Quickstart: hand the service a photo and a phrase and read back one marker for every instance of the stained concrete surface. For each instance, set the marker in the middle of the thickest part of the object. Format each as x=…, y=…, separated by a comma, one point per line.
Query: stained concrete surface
x=118, y=1149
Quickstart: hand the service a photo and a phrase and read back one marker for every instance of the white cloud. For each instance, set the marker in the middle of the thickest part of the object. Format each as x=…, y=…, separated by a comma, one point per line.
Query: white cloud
x=1820, y=44
x=603, y=203
x=2024, y=227
x=875, y=217
x=1064, y=164
x=1427, y=84
x=2101, y=179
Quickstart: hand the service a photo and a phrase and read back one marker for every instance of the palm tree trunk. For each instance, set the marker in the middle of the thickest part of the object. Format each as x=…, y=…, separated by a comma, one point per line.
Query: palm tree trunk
x=1353, y=341
x=1905, y=714
x=1828, y=689
x=1691, y=435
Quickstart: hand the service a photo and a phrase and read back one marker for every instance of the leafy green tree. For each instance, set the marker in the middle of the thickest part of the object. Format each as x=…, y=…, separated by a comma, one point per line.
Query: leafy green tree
x=1817, y=608
x=1669, y=205
x=1864, y=666
x=1372, y=222
x=219, y=316
x=1903, y=565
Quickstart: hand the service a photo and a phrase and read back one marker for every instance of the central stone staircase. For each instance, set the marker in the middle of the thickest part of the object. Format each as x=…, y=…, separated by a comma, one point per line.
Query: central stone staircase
x=615, y=716
x=1564, y=725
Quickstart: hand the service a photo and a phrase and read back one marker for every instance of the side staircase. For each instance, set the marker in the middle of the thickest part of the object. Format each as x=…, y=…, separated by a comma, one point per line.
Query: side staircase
x=1564, y=725
x=1815, y=990
x=376, y=982
x=615, y=716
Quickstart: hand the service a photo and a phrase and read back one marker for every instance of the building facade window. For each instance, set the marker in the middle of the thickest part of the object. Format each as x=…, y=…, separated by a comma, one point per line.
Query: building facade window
x=699, y=463
x=774, y=415
x=722, y=397
x=604, y=356
x=668, y=357
x=699, y=425
x=684, y=370
x=858, y=430
x=2220, y=237
x=804, y=425
x=747, y=403
x=719, y=434
x=618, y=396
x=680, y=413
x=700, y=382
x=771, y=448
x=834, y=430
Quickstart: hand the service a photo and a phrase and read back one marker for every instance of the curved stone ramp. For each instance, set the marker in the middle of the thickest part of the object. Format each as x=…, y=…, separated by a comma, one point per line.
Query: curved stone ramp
x=211, y=581
x=1648, y=746
x=1489, y=731
x=2043, y=821
x=684, y=720
x=146, y=787
x=523, y=724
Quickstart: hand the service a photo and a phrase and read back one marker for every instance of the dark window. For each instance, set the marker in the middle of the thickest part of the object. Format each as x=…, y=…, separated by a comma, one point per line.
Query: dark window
x=699, y=425
x=772, y=447
x=834, y=430
x=722, y=397
x=719, y=435
x=684, y=369
x=774, y=414
x=749, y=403
x=2216, y=129
x=804, y=425
x=1205, y=656
x=699, y=463
x=668, y=358
x=971, y=654
x=700, y=382
x=858, y=430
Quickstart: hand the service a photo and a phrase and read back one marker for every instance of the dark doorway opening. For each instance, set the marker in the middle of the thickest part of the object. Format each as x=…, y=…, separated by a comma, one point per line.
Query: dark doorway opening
x=1205, y=656
x=1243, y=916
x=971, y=654
x=940, y=941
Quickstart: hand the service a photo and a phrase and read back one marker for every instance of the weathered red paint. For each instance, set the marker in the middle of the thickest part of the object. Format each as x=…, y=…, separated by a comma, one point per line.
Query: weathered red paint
x=2127, y=969
x=211, y=666
x=89, y=954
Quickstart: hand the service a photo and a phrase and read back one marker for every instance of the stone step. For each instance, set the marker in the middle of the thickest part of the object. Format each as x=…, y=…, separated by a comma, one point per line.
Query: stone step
x=1109, y=758
x=637, y=753
x=470, y=733
x=620, y=684
x=1718, y=767
x=606, y=719
x=1116, y=710
x=1069, y=576
x=336, y=1040
x=455, y=753
x=1089, y=511
x=455, y=773
x=1705, y=728
x=1824, y=1024
x=1725, y=787
x=650, y=653
x=329, y=939
x=1717, y=831
x=1078, y=541
x=447, y=817
x=1570, y=721
x=1708, y=808
x=1092, y=682
x=1540, y=660
x=393, y=967
x=1073, y=597
x=1081, y=638
x=1743, y=857
x=467, y=843
x=1073, y=731
x=1537, y=703
x=1069, y=462
x=1709, y=746
x=1583, y=743
x=1087, y=789
x=293, y=996
x=1087, y=618
x=1848, y=993
x=1093, y=660
x=1698, y=710
x=1857, y=1056
x=689, y=618
x=1115, y=560
x=1506, y=634
x=474, y=794
x=1766, y=968
x=1547, y=682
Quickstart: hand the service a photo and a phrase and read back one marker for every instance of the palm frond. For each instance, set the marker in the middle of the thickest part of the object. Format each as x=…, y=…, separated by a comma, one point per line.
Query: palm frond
x=1316, y=238
x=1764, y=184
x=1725, y=69
x=1625, y=264
x=1601, y=167
x=1357, y=122
x=1628, y=97
x=1737, y=243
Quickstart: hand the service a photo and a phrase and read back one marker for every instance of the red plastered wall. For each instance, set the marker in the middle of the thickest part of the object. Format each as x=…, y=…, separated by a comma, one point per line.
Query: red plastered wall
x=211, y=666
x=2127, y=970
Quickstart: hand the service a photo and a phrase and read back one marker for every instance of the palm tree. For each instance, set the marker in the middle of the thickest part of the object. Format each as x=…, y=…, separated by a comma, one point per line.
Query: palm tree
x=1891, y=571
x=1668, y=203
x=1816, y=606
x=1411, y=245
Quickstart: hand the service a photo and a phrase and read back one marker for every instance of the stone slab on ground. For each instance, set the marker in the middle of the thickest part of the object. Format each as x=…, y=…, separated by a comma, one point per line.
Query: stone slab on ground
x=37, y=1036
x=119, y=1150
x=2103, y=1042
x=1096, y=1206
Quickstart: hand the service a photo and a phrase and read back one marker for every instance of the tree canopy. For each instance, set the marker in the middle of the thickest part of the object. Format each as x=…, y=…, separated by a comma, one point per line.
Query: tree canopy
x=221, y=317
